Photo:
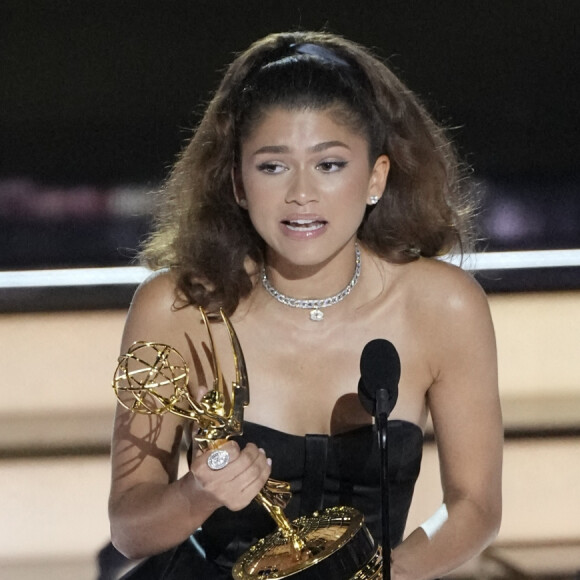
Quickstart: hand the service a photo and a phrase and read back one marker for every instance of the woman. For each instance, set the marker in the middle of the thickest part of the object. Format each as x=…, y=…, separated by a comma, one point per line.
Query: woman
x=314, y=173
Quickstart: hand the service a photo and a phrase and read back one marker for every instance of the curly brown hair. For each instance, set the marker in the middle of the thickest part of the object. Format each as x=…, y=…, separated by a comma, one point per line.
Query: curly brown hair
x=208, y=241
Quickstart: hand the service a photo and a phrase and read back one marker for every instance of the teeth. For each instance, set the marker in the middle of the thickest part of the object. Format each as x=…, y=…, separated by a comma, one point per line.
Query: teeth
x=302, y=225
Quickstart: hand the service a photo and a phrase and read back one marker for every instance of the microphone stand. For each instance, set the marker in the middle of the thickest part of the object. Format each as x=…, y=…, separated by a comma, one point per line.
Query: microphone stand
x=382, y=411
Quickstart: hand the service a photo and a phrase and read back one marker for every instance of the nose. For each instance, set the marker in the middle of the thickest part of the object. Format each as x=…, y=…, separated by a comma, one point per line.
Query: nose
x=301, y=190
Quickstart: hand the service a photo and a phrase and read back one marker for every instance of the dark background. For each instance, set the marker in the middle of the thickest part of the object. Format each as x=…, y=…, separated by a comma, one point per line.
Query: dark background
x=97, y=96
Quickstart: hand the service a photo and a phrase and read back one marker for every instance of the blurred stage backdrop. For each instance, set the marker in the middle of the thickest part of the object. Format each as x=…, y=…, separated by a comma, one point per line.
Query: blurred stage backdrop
x=97, y=98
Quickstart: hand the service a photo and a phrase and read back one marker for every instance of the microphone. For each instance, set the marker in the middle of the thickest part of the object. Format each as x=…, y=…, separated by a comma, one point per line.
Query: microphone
x=378, y=389
x=380, y=370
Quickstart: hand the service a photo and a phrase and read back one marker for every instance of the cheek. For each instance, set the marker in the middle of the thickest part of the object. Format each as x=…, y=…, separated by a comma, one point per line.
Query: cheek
x=354, y=200
x=260, y=214
x=259, y=201
x=256, y=187
x=354, y=191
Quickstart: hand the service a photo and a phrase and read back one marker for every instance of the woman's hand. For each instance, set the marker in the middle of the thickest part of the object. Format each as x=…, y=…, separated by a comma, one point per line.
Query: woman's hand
x=238, y=483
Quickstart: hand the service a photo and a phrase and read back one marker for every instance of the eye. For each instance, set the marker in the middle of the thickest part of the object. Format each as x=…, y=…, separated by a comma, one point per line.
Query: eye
x=331, y=166
x=271, y=167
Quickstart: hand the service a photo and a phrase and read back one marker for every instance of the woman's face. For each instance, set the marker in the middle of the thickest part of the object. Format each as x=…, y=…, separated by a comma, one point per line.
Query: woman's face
x=306, y=181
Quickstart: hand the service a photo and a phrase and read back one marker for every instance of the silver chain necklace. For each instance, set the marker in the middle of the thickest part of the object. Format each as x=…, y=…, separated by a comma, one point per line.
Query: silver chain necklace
x=314, y=305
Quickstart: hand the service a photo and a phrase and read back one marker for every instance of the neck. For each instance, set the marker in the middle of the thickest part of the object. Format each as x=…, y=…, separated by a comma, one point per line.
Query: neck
x=315, y=304
x=312, y=281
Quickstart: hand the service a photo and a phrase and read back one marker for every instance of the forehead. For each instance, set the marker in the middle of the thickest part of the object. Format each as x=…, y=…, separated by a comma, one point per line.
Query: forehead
x=305, y=125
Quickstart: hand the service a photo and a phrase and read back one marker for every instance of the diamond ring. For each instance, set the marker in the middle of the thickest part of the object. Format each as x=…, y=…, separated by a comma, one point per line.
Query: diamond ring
x=218, y=459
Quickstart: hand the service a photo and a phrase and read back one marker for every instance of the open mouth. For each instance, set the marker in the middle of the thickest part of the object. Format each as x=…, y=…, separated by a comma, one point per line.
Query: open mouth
x=304, y=225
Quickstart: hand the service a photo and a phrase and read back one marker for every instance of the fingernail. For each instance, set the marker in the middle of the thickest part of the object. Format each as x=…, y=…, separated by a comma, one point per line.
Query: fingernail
x=262, y=451
x=269, y=461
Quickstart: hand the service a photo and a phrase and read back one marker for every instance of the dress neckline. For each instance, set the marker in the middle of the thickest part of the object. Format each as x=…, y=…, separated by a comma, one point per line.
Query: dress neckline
x=391, y=423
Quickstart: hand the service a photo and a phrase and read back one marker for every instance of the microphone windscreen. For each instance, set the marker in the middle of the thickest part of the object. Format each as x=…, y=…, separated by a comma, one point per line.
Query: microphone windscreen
x=380, y=369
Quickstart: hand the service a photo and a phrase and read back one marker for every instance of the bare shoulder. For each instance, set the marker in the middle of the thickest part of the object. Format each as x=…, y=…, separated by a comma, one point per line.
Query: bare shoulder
x=447, y=289
x=157, y=314
x=155, y=298
x=444, y=305
x=157, y=290
x=450, y=311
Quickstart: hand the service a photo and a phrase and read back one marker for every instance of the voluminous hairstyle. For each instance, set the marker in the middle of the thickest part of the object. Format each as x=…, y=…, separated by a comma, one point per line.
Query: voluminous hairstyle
x=208, y=240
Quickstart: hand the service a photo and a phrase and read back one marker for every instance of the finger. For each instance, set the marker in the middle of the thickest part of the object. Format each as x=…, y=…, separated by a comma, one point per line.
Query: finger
x=230, y=446
x=247, y=488
x=256, y=473
x=200, y=464
x=250, y=454
x=237, y=460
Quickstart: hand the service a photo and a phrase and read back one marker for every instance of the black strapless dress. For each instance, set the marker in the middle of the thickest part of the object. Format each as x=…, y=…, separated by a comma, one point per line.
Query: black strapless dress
x=323, y=471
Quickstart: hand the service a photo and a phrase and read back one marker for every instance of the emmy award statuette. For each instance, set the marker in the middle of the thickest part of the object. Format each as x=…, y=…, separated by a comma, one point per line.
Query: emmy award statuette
x=152, y=378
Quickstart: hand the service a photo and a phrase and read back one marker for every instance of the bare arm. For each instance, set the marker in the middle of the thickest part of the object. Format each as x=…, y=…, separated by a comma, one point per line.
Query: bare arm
x=150, y=509
x=464, y=404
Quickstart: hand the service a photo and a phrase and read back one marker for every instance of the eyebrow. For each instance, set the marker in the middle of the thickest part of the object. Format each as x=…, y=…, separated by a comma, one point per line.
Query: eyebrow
x=314, y=149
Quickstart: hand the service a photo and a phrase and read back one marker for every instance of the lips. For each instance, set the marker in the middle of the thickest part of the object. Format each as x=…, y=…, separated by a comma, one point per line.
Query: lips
x=303, y=226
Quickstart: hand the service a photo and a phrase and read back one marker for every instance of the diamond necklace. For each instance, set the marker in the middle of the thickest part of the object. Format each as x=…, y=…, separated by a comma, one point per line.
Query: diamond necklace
x=315, y=305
